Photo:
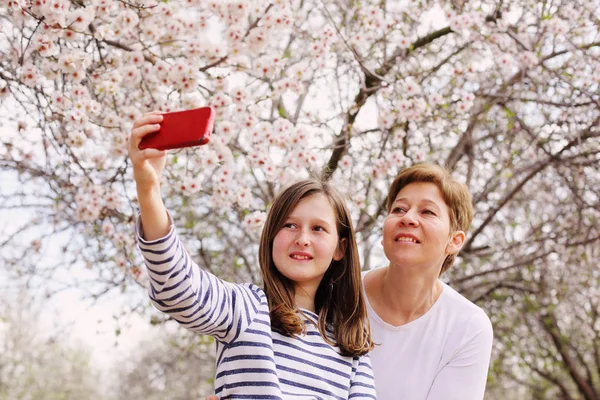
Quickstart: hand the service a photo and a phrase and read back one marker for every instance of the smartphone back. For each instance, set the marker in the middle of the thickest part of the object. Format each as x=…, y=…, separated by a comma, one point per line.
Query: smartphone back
x=182, y=129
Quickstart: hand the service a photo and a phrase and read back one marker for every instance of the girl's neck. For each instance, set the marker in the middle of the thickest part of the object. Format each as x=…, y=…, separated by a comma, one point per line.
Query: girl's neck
x=304, y=299
x=407, y=294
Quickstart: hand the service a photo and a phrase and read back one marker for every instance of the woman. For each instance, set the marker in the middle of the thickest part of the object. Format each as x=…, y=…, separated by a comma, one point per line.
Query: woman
x=434, y=344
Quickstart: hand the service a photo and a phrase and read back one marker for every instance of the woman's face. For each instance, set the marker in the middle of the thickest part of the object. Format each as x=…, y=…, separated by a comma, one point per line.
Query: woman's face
x=416, y=232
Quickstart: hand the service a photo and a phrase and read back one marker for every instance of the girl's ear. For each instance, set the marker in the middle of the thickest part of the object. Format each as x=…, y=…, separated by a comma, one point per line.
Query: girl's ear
x=341, y=249
x=456, y=242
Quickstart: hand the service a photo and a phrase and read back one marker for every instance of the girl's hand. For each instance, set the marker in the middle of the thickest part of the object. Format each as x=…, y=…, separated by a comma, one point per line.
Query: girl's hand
x=148, y=164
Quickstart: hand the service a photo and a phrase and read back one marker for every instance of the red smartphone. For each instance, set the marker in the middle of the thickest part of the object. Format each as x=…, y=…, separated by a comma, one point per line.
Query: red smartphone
x=182, y=129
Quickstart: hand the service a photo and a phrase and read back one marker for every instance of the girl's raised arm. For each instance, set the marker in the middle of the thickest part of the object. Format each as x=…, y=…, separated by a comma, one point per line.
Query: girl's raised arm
x=148, y=166
x=195, y=298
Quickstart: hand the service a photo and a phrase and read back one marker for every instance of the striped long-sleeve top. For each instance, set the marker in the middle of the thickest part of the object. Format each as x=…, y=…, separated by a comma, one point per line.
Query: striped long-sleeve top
x=252, y=361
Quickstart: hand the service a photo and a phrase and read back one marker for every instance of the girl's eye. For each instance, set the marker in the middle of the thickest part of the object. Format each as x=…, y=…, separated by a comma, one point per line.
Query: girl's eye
x=319, y=228
x=289, y=225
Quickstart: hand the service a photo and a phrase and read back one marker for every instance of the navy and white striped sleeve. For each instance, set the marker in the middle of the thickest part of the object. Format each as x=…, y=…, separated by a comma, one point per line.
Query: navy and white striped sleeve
x=362, y=383
x=198, y=300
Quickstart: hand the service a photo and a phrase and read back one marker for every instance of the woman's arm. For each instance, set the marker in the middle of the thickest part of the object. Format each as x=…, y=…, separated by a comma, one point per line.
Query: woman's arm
x=464, y=376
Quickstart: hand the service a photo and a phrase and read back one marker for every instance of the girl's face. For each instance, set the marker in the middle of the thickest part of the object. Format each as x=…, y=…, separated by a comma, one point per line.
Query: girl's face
x=306, y=244
x=416, y=232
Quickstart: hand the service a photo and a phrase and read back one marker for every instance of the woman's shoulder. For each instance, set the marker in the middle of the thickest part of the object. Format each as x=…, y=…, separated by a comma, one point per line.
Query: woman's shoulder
x=461, y=310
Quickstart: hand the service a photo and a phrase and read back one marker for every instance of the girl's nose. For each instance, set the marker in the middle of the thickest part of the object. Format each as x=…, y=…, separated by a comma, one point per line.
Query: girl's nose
x=302, y=239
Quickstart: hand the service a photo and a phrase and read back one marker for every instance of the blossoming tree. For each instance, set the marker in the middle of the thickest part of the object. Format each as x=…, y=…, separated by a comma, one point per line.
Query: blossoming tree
x=504, y=93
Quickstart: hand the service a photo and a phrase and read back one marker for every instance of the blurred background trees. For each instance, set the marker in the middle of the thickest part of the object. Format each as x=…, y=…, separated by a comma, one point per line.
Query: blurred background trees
x=504, y=93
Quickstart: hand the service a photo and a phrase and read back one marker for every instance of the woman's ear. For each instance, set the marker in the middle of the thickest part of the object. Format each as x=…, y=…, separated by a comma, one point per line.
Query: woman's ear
x=457, y=240
x=341, y=249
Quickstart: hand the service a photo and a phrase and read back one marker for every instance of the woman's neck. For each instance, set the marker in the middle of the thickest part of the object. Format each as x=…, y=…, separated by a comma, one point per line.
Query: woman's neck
x=406, y=295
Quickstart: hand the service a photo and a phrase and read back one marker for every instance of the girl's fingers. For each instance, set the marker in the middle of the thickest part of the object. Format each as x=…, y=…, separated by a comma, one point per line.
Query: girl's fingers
x=150, y=118
x=144, y=130
x=138, y=133
x=152, y=153
x=142, y=155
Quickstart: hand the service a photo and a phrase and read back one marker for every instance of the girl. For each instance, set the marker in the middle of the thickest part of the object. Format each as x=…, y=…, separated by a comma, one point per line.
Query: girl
x=305, y=335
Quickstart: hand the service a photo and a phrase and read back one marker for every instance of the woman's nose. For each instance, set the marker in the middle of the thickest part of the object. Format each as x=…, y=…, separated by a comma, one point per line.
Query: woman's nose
x=409, y=219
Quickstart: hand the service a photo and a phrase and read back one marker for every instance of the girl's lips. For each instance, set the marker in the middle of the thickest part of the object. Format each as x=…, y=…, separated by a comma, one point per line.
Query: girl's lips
x=300, y=255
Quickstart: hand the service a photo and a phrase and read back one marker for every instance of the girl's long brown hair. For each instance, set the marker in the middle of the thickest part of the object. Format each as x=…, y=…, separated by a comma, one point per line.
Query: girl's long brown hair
x=339, y=300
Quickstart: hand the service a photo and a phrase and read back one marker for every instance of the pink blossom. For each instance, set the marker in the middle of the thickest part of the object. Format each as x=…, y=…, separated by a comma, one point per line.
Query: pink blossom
x=436, y=99
x=239, y=95
x=223, y=176
x=103, y=32
x=108, y=228
x=190, y=185
x=59, y=102
x=136, y=272
x=112, y=200
x=219, y=100
x=257, y=40
x=130, y=114
x=261, y=132
x=221, y=84
x=271, y=171
x=104, y=7
x=257, y=159
x=225, y=129
x=410, y=87
x=87, y=212
x=121, y=240
x=264, y=66
x=505, y=61
x=254, y=221
x=403, y=42
x=70, y=61
x=121, y=261
x=418, y=109
x=528, y=59
x=463, y=107
x=49, y=69
x=30, y=75
x=244, y=197
x=45, y=46
x=386, y=119
x=80, y=18
x=55, y=12
x=93, y=107
x=403, y=107
x=126, y=20
x=557, y=26
x=135, y=58
x=131, y=76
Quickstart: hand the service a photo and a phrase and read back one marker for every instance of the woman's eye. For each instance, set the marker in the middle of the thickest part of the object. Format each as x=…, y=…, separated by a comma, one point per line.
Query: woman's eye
x=429, y=212
x=398, y=210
